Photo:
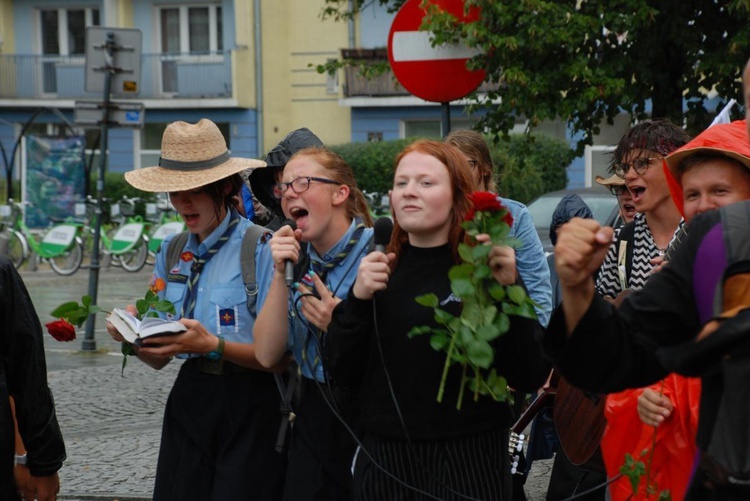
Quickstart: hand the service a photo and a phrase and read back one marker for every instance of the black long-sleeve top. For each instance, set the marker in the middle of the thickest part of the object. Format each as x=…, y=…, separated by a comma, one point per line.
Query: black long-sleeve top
x=23, y=372
x=616, y=348
x=415, y=368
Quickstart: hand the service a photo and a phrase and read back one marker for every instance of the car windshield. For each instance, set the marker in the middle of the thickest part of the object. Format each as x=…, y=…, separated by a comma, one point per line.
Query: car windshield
x=542, y=208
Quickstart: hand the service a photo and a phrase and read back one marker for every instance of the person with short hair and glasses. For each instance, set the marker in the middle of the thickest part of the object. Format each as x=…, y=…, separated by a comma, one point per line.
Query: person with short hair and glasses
x=637, y=159
x=317, y=190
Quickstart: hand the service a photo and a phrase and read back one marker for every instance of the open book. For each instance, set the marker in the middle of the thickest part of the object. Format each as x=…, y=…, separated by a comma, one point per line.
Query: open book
x=134, y=330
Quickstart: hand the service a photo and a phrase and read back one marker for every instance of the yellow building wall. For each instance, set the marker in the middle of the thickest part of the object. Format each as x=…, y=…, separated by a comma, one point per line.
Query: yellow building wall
x=125, y=14
x=243, y=62
x=295, y=40
x=6, y=27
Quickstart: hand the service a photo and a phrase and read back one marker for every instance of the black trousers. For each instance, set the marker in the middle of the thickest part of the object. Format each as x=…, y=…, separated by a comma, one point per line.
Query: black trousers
x=320, y=447
x=568, y=479
x=473, y=467
x=218, y=438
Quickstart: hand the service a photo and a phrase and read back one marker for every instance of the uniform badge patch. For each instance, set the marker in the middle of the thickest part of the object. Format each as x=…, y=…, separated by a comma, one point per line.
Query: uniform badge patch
x=226, y=317
x=186, y=256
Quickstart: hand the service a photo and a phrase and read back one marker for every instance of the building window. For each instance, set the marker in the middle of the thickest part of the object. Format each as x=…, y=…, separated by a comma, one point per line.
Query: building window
x=63, y=31
x=374, y=137
x=191, y=29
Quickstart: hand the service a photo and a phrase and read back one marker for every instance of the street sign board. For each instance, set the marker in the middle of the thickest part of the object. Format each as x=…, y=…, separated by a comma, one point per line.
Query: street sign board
x=439, y=73
x=121, y=114
x=126, y=60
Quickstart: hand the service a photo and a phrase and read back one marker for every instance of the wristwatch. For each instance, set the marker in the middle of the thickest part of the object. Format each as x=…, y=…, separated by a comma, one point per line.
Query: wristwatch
x=19, y=459
x=218, y=352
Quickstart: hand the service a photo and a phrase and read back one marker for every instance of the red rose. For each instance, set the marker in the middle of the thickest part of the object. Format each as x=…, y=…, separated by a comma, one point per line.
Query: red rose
x=508, y=219
x=61, y=330
x=469, y=215
x=485, y=201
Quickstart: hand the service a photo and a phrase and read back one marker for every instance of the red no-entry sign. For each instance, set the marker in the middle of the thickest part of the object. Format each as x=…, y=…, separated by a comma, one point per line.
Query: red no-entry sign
x=439, y=73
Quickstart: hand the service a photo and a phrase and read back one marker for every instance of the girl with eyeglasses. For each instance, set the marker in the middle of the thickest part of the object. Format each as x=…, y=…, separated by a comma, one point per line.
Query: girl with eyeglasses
x=318, y=192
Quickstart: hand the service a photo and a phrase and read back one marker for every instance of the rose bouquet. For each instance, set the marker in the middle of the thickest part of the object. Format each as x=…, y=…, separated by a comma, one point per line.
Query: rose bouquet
x=467, y=339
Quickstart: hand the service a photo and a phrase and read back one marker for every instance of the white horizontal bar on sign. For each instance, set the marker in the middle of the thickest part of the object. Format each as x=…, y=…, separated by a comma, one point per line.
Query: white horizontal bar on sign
x=415, y=46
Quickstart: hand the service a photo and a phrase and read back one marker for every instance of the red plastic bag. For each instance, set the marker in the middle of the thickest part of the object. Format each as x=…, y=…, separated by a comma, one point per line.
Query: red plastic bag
x=675, y=449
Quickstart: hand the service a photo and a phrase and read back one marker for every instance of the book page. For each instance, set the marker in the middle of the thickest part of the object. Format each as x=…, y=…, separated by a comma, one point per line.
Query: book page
x=125, y=323
x=155, y=326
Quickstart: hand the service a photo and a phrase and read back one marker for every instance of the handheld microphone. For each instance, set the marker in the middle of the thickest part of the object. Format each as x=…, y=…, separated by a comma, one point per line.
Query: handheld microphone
x=289, y=265
x=382, y=232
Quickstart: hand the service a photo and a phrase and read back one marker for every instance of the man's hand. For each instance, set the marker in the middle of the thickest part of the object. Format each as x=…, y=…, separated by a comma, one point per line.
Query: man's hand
x=582, y=245
x=653, y=408
x=46, y=488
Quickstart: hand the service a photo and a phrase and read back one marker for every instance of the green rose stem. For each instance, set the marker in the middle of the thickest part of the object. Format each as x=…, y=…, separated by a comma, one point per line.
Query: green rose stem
x=446, y=367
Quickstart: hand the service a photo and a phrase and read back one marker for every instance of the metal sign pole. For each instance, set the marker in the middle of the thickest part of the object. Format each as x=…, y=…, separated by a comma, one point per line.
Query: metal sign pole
x=445, y=118
x=89, y=342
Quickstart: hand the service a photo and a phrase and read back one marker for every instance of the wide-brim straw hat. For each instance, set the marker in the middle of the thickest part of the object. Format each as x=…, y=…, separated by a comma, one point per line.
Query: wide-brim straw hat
x=730, y=140
x=613, y=180
x=192, y=155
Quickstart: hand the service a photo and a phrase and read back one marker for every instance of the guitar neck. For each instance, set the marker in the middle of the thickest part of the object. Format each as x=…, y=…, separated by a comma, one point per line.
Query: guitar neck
x=532, y=410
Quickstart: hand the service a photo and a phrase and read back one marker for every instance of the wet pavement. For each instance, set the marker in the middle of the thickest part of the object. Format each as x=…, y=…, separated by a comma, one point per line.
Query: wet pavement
x=112, y=424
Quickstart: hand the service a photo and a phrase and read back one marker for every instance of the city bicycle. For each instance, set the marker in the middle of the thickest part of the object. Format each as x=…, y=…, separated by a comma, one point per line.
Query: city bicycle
x=60, y=245
x=125, y=244
x=165, y=222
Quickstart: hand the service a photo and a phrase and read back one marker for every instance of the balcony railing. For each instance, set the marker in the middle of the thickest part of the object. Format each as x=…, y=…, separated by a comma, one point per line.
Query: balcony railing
x=163, y=76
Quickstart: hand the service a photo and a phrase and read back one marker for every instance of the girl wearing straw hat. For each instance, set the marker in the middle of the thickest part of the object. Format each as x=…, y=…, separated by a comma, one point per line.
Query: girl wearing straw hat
x=215, y=441
x=318, y=191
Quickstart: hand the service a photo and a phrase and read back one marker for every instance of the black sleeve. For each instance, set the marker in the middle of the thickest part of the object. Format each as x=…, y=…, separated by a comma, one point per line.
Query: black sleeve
x=25, y=372
x=346, y=344
x=613, y=349
x=519, y=356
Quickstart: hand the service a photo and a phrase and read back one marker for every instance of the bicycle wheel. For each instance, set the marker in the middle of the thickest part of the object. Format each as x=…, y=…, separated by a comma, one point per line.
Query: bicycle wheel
x=134, y=259
x=13, y=245
x=69, y=261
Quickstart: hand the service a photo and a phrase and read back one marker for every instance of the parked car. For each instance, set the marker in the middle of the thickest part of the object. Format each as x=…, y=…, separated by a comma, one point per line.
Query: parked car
x=601, y=202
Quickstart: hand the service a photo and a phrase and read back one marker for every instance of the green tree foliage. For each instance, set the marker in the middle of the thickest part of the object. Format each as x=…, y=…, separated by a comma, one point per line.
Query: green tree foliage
x=372, y=163
x=584, y=62
x=526, y=165
x=530, y=165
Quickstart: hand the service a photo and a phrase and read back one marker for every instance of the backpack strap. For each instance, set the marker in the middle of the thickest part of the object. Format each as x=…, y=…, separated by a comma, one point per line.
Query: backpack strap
x=247, y=262
x=736, y=236
x=174, y=248
x=625, y=253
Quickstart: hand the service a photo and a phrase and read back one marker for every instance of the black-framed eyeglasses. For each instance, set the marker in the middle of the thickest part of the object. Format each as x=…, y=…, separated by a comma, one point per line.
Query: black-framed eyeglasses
x=299, y=185
x=473, y=164
x=618, y=189
x=639, y=165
